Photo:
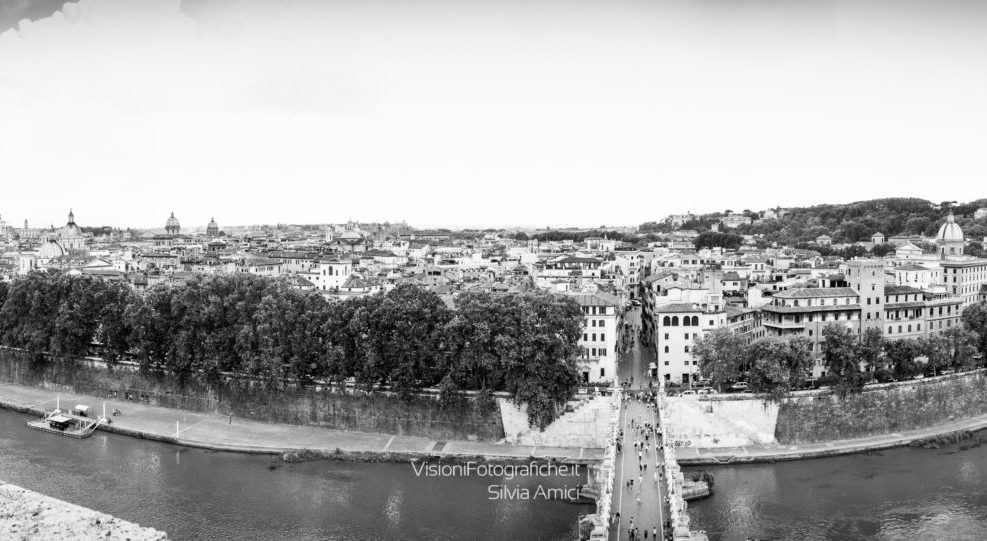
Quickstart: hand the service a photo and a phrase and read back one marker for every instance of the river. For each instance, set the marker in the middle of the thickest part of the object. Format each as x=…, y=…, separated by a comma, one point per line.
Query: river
x=198, y=494
x=900, y=493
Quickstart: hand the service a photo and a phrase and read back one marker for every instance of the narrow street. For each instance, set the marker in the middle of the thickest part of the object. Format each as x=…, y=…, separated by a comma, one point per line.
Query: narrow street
x=641, y=505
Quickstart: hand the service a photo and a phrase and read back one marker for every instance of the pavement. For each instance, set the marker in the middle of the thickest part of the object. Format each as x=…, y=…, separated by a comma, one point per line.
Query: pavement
x=688, y=456
x=225, y=433
x=644, y=502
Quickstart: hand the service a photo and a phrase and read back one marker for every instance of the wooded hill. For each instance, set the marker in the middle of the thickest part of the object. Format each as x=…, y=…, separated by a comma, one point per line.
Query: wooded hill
x=851, y=222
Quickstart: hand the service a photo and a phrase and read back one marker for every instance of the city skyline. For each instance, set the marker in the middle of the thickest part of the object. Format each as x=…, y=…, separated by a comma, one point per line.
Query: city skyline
x=260, y=114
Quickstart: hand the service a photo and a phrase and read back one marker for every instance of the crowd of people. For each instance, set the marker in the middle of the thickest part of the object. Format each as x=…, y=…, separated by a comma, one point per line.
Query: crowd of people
x=643, y=438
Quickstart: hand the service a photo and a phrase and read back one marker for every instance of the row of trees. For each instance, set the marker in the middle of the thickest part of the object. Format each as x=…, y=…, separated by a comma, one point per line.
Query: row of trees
x=776, y=366
x=408, y=338
x=773, y=366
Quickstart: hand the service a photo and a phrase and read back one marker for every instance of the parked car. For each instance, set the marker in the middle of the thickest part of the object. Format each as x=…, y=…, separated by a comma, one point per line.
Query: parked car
x=948, y=371
x=635, y=302
x=688, y=392
x=707, y=390
x=739, y=387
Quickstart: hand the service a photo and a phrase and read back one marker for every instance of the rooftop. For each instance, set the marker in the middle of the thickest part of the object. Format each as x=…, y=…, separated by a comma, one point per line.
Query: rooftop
x=814, y=292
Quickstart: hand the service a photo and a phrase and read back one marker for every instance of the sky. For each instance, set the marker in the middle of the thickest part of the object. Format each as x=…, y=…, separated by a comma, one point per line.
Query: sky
x=485, y=113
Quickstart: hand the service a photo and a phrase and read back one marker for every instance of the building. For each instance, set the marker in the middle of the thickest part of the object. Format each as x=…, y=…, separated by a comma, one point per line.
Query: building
x=917, y=276
x=980, y=214
x=904, y=313
x=677, y=326
x=824, y=240
x=746, y=322
x=963, y=275
x=735, y=220
x=907, y=251
x=866, y=277
x=807, y=311
x=598, y=346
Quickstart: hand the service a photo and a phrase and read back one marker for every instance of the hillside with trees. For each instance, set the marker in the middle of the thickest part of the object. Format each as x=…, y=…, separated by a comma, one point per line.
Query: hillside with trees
x=851, y=222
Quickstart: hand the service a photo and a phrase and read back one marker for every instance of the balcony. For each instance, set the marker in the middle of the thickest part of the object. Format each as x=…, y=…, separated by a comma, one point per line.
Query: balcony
x=784, y=324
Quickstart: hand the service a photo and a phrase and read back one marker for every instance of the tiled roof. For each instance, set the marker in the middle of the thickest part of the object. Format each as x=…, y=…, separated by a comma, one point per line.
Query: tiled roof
x=900, y=290
x=813, y=292
x=595, y=299
x=676, y=307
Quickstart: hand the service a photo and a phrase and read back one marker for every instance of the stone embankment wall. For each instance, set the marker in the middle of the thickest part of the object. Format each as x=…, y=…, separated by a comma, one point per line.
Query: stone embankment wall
x=349, y=410
x=28, y=515
x=882, y=409
x=588, y=425
x=818, y=416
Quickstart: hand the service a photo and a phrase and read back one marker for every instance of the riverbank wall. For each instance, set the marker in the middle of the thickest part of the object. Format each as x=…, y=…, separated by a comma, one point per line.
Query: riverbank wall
x=28, y=515
x=335, y=408
x=225, y=433
x=808, y=417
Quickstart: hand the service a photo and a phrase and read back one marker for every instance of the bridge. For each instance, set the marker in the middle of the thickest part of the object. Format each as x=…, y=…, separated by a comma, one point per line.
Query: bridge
x=641, y=495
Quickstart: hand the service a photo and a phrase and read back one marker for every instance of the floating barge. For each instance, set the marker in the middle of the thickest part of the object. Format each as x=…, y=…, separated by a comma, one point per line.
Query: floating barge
x=74, y=424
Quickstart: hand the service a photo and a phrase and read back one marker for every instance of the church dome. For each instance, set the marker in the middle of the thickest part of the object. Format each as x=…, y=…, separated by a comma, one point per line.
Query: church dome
x=950, y=231
x=172, y=227
x=71, y=229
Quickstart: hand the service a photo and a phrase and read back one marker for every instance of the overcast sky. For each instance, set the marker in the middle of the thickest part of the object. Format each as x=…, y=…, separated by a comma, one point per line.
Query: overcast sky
x=486, y=112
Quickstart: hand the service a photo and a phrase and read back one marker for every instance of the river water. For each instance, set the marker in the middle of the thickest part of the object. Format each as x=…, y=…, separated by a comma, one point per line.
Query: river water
x=198, y=494
x=935, y=494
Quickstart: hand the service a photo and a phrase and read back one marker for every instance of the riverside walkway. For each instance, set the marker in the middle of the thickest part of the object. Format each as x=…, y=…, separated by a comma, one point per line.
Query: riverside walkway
x=220, y=432
x=774, y=452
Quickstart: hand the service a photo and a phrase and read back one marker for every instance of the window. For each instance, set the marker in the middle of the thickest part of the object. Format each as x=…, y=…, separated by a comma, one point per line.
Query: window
x=594, y=337
x=675, y=321
x=666, y=336
x=666, y=364
x=686, y=336
x=686, y=321
x=603, y=372
x=666, y=351
x=666, y=321
x=695, y=321
x=711, y=323
x=687, y=349
x=585, y=337
x=603, y=337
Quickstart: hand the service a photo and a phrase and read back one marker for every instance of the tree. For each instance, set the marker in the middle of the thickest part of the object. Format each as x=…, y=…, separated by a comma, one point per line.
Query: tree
x=710, y=239
x=542, y=371
x=870, y=350
x=779, y=366
x=902, y=355
x=975, y=320
x=721, y=354
x=960, y=346
x=840, y=358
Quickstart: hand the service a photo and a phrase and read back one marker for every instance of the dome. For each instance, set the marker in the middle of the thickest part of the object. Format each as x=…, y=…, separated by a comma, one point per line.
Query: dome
x=71, y=229
x=212, y=222
x=950, y=231
x=50, y=250
x=172, y=222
